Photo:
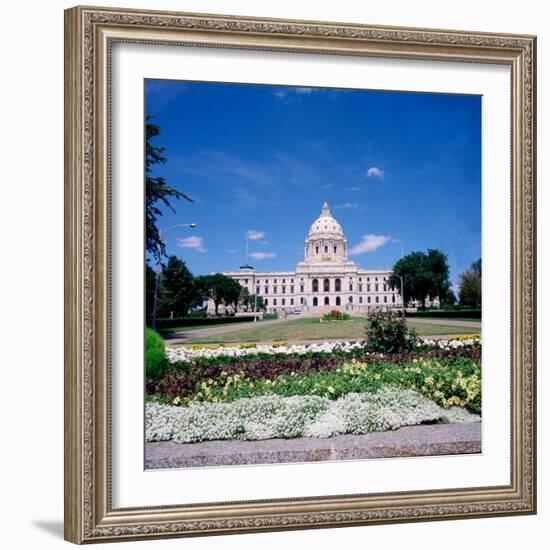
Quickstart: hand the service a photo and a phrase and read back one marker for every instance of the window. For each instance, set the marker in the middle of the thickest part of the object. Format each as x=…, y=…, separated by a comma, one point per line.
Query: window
x=385, y=299
x=315, y=302
x=393, y=298
x=266, y=290
x=284, y=290
x=257, y=290
x=274, y=301
x=302, y=300
x=266, y=302
x=301, y=288
x=376, y=287
x=274, y=290
x=377, y=299
x=368, y=278
x=368, y=299
x=350, y=287
x=326, y=249
x=335, y=250
x=360, y=287
x=266, y=281
x=284, y=281
x=360, y=299
x=326, y=285
x=327, y=301
x=360, y=280
x=246, y=281
x=385, y=288
x=291, y=290
x=368, y=288
x=316, y=250
x=338, y=300
x=291, y=281
x=275, y=281
x=338, y=285
x=315, y=285
x=376, y=278
x=283, y=301
x=292, y=301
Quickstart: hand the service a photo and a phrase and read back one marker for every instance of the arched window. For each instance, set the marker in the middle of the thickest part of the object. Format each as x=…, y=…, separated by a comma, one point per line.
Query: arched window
x=350, y=299
x=326, y=249
x=326, y=285
x=326, y=301
x=338, y=300
x=315, y=285
x=315, y=302
x=316, y=250
x=338, y=285
x=335, y=250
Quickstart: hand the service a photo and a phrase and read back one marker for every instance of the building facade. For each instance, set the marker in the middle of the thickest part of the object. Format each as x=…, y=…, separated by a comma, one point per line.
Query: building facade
x=325, y=280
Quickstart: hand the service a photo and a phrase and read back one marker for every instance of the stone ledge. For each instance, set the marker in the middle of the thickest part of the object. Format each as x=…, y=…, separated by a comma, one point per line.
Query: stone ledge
x=424, y=440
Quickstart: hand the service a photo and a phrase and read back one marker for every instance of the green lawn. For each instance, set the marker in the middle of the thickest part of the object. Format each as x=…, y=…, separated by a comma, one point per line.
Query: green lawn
x=312, y=329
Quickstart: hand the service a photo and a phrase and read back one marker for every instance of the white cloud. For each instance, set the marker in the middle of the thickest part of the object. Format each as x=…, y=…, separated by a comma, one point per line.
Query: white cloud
x=231, y=251
x=369, y=243
x=375, y=172
x=329, y=186
x=263, y=255
x=346, y=205
x=196, y=243
x=254, y=235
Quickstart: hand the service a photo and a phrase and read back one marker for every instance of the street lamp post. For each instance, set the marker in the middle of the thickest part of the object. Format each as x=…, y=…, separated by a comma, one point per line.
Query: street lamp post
x=157, y=276
x=402, y=295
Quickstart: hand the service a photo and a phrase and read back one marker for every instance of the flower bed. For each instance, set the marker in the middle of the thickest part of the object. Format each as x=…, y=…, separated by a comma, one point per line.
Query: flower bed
x=274, y=416
x=188, y=354
x=446, y=380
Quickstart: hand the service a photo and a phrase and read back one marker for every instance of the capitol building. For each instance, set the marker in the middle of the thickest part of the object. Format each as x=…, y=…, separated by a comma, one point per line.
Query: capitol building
x=325, y=280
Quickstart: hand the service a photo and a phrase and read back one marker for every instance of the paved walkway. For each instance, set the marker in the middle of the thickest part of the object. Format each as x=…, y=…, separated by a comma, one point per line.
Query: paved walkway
x=180, y=337
x=424, y=440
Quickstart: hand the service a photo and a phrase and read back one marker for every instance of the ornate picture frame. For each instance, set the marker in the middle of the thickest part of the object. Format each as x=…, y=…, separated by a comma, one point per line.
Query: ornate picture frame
x=90, y=34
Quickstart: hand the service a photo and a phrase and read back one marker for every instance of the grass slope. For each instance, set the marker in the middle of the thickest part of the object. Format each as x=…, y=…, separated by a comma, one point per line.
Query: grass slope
x=312, y=329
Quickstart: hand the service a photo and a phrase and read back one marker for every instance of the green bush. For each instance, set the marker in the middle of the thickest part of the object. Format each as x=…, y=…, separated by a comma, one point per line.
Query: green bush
x=155, y=357
x=336, y=315
x=447, y=313
x=386, y=332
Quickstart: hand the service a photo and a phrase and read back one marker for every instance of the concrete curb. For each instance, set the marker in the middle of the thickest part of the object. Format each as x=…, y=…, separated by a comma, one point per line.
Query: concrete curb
x=424, y=440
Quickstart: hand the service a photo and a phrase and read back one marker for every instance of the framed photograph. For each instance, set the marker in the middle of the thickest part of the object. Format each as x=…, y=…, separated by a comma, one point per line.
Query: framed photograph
x=300, y=274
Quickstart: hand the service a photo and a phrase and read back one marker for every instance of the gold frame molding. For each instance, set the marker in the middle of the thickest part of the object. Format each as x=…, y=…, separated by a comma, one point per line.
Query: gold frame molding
x=89, y=35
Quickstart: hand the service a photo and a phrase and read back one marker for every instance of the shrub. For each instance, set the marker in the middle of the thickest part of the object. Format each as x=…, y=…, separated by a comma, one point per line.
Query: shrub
x=388, y=333
x=155, y=357
x=336, y=315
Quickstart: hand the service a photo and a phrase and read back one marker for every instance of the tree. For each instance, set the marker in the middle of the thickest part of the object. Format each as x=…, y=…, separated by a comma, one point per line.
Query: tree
x=450, y=299
x=438, y=268
x=470, y=286
x=423, y=275
x=220, y=289
x=178, y=288
x=150, y=277
x=156, y=191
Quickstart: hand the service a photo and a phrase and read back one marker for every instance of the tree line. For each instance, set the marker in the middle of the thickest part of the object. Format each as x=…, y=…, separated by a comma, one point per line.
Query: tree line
x=180, y=292
x=426, y=274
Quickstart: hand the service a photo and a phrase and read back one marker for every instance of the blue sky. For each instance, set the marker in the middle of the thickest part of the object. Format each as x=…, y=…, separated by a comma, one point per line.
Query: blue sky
x=259, y=160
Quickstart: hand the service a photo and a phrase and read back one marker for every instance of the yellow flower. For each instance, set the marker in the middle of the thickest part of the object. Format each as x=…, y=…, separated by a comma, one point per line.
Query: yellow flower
x=177, y=400
x=330, y=389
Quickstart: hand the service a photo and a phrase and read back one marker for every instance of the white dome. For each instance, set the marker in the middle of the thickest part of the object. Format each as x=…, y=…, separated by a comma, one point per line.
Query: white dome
x=325, y=225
